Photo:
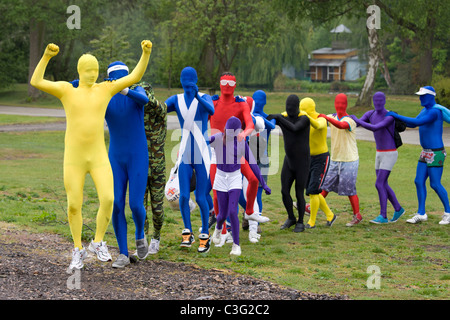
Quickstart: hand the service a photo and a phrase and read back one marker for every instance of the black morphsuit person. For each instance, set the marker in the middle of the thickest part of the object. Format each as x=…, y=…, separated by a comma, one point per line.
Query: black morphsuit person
x=295, y=128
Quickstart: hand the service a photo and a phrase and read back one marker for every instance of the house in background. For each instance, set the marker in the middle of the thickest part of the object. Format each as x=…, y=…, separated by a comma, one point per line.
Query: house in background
x=338, y=63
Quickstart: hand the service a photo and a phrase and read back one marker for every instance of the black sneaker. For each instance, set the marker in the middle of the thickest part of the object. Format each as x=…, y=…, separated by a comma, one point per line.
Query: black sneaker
x=308, y=226
x=187, y=238
x=205, y=243
x=212, y=220
x=287, y=224
x=330, y=223
x=244, y=222
x=299, y=227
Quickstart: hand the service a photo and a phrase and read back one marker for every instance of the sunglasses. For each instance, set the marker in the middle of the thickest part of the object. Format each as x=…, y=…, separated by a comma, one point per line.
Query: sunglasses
x=231, y=83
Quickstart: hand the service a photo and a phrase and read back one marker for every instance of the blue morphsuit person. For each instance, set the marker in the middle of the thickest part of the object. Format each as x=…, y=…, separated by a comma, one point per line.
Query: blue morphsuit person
x=263, y=128
x=128, y=156
x=193, y=109
x=431, y=160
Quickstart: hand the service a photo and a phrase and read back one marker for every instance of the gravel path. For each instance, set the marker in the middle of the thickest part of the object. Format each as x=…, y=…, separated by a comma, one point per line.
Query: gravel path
x=33, y=266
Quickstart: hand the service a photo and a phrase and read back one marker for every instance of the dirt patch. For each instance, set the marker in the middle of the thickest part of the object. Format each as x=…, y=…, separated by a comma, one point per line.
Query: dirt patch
x=34, y=267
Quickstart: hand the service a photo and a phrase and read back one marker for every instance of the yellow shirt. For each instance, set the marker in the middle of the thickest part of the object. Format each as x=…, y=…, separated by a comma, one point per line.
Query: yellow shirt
x=343, y=141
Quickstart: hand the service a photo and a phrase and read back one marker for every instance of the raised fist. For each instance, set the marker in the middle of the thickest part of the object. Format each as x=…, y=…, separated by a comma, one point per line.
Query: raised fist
x=51, y=50
x=146, y=46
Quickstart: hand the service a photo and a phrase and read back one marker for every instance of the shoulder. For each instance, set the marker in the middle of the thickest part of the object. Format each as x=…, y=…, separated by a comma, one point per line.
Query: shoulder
x=239, y=99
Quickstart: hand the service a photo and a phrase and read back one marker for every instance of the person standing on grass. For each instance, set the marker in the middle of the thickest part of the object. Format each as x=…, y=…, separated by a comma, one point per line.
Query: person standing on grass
x=297, y=159
x=85, y=149
x=230, y=154
x=431, y=159
x=341, y=176
x=386, y=155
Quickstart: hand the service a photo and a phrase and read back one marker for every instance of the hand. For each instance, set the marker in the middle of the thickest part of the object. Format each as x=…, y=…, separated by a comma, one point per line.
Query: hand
x=284, y=114
x=322, y=116
x=391, y=113
x=241, y=136
x=302, y=113
x=355, y=118
x=267, y=189
x=146, y=46
x=51, y=50
x=125, y=91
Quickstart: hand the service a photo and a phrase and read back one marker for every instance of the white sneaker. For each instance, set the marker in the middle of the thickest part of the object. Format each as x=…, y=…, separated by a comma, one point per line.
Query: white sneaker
x=216, y=237
x=141, y=248
x=101, y=250
x=228, y=237
x=121, y=262
x=418, y=218
x=445, y=218
x=256, y=216
x=77, y=258
x=235, y=250
x=153, y=248
x=253, y=236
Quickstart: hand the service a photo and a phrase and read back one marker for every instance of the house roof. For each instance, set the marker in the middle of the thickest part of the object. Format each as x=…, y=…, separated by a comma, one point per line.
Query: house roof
x=332, y=51
x=326, y=62
x=340, y=29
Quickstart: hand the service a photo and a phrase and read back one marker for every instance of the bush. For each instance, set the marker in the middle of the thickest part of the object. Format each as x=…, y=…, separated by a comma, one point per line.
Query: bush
x=442, y=87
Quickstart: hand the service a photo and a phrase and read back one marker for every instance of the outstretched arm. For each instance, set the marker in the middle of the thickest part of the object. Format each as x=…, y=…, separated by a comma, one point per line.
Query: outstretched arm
x=301, y=123
x=445, y=112
x=37, y=80
x=135, y=76
x=338, y=124
x=373, y=127
x=424, y=117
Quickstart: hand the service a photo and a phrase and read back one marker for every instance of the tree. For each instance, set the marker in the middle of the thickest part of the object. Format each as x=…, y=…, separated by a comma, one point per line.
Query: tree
x=224, y=28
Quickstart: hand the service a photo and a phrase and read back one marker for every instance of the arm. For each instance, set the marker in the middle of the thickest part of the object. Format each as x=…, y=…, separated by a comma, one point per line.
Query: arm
x=170, y=103
x=138, y=72
x=373, y=127
x=256, y=171
x=206, y=102
x=423, y=117
x=445, y=112
x=138, y=95
x=37, y=80
x=338, y=124
x=249, y=126
x=301, y=123
x=318, y=123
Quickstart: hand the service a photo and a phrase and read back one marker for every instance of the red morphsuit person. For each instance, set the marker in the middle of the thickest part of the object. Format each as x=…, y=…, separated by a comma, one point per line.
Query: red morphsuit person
x=225, y=106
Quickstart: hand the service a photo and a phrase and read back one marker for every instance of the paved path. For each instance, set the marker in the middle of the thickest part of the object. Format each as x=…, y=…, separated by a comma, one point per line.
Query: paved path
x=410, y=136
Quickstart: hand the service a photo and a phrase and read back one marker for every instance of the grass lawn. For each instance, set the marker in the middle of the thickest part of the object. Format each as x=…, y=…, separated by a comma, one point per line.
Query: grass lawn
x=414, y=260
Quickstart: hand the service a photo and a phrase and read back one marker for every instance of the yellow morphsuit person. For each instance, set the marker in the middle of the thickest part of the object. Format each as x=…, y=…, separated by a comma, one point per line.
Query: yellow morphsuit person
x=85, y=150
x=319, y=161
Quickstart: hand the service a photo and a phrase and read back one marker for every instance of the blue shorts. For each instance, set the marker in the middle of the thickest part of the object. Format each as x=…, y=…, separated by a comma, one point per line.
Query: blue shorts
x=341, y=178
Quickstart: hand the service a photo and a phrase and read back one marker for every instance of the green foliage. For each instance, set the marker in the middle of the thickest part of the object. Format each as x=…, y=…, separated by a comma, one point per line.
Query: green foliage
x=442, y=87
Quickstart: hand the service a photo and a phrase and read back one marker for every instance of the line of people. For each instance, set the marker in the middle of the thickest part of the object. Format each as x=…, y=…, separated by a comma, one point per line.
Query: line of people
x=224, y=162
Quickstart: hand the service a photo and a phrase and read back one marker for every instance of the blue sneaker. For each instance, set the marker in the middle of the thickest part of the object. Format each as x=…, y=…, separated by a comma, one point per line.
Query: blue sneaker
x=380, y=220
x=397, y=215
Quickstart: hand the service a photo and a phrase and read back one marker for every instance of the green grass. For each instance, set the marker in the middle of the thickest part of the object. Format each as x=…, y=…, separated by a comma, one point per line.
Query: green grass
x=414, y=260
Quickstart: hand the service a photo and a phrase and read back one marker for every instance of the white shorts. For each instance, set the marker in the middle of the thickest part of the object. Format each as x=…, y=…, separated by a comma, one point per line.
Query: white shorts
x=226, y=181
x=385, y=160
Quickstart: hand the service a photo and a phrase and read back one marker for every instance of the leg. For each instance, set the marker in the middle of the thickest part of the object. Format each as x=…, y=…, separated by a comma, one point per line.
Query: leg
x=74, y=178
x=287, y=179
x=137, y=183
x=380, y=184
x=435, y=174
x=233, y=198
x=201, y=187
x=118, y=216
x=420, y=180
x=104, y=183
x=184, y=178
x=252, y=188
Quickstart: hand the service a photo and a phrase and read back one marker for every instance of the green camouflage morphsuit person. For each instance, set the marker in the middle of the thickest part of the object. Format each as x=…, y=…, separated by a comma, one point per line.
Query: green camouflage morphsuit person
x=155, y=122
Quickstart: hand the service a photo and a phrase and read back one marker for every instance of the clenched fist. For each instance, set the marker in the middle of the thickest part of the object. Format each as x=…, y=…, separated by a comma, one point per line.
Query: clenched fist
x=146, y=46
x=51, y=50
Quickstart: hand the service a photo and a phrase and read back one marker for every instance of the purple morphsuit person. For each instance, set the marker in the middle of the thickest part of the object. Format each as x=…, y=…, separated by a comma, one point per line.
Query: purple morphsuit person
x=228, y=181
x=386, y=155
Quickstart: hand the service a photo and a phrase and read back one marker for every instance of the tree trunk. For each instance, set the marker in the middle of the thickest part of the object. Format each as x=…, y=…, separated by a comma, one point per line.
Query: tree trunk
x=37, y=30
x=365, y=96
